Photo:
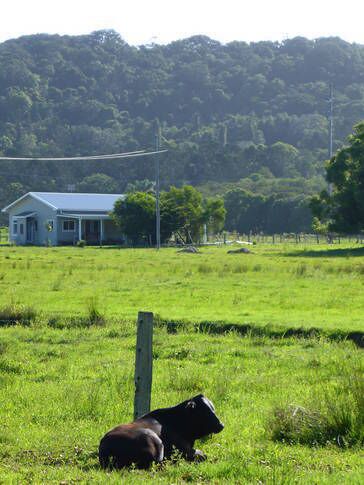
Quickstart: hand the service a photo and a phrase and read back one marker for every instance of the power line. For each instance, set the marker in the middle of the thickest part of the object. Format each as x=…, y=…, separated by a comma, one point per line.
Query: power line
x=113, y=156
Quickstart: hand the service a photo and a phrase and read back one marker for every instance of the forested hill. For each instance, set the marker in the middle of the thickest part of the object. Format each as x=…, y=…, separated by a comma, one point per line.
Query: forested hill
x=227, y=111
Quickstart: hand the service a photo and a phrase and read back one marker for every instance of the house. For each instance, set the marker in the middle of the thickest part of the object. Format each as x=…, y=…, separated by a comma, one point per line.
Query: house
x=44, y=218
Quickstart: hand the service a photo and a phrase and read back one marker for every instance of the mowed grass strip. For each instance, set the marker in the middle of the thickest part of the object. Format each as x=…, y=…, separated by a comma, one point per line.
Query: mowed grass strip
x=61, y=390
x=281, y=285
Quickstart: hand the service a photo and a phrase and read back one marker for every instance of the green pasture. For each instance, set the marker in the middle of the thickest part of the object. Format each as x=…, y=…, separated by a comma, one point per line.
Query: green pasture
x=3, y=235
x=67, y=343
x=62, y=389
x=285, y=286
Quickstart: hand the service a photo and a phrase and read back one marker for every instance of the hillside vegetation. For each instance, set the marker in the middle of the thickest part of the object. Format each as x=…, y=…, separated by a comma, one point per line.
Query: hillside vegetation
x=227, y=112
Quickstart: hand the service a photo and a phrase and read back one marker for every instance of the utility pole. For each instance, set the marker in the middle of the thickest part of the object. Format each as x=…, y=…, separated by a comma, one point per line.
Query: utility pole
x=331, y=120
x=331, y=127
x=157, y=188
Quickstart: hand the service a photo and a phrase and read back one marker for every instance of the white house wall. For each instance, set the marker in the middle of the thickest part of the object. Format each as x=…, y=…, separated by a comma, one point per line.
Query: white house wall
x=67, y=237
x=43, y=214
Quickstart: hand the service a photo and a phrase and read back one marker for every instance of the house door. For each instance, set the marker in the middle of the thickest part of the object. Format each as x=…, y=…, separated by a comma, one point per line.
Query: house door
x=92, y=231
x=30, y=228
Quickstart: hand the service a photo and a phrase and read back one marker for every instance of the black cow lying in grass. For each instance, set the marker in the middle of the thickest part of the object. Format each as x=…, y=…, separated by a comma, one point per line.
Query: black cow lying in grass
x=154, y=436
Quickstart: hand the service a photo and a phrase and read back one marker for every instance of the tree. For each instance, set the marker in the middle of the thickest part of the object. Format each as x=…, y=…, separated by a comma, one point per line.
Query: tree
x=145, y=185
x=98, y=183
x=13, y=191
x=245, y=211
x=183, y=210
x=344, y=209
x=135, y=215
x=282, y=159
x=214, y=214
x=5, y=144
x=16, y=106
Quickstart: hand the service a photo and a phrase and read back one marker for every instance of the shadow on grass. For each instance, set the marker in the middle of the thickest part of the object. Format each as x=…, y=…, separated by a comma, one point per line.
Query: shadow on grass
x=220, y=328
x=324, y=253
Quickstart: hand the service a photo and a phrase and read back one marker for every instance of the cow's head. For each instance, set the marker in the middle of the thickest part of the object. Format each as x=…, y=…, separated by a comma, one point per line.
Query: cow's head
x=202, y=417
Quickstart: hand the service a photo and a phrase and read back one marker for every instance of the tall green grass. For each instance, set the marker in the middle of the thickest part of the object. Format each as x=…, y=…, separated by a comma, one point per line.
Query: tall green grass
x=335, y=416
x=62, y=389
x=4, y=235
x=276, y=286
x=15, y=313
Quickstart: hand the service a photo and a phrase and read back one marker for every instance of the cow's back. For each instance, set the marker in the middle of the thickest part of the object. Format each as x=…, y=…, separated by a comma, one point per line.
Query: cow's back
x=127, y=444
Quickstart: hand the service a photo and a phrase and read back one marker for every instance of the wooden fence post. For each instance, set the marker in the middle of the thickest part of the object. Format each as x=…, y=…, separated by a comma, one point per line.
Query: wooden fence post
x=143, y=364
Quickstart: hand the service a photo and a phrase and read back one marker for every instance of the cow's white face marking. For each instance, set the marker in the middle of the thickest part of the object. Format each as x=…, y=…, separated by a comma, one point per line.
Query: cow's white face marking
x=208, y=404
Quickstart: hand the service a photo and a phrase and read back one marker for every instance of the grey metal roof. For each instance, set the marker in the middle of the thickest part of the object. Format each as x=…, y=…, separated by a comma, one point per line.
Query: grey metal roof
x=72, y=201
x=79, y=202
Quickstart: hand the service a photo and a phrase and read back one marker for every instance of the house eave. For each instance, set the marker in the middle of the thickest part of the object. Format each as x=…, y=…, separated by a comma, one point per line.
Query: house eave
x=5, y=209
x=85, y=215
x=30, y=194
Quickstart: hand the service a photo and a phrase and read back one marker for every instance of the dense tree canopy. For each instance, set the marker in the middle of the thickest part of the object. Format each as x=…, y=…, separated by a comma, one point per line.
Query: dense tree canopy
x=183, y=212
x=97, y=183
x=247, y=212
x=226, y=111
x=135, y=215
x=343, y=208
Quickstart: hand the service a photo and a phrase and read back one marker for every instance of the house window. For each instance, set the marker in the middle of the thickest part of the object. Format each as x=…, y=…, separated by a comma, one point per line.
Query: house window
x=21, y=228
x=15, y=227
x=69, y=225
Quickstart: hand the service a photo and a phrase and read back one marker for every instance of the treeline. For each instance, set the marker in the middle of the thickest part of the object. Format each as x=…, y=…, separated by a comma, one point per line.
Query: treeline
x=184, y=213
x=226, y=112
x=247, y=212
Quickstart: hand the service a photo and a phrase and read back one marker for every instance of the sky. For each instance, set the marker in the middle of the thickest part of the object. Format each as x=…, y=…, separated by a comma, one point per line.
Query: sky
x=162, y=21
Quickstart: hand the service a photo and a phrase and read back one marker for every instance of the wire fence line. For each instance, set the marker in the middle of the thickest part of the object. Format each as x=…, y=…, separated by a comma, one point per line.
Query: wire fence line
x=229, y=238
x=282, y=238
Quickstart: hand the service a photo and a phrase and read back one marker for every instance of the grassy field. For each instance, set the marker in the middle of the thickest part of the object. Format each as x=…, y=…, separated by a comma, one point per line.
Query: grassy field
x=62, y=389
x=3, y=235
x=66, y=372
x=285, y=286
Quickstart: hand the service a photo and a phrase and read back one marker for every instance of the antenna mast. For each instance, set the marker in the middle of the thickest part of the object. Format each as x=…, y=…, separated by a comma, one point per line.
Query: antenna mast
x=157, y=186
x=331, y=127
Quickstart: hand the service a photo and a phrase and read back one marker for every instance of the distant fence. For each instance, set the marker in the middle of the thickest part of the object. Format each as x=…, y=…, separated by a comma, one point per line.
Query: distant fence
x=286, y=238
x=259, y=238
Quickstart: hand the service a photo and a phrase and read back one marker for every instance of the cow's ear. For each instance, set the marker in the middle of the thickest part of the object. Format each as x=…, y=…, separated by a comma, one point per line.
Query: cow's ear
x=190, y=405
